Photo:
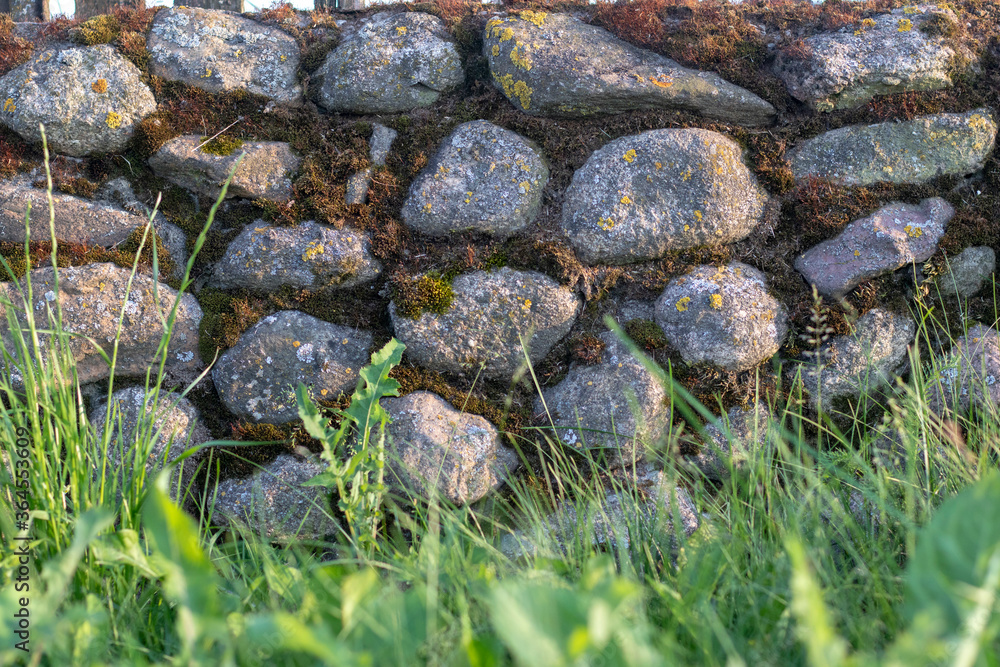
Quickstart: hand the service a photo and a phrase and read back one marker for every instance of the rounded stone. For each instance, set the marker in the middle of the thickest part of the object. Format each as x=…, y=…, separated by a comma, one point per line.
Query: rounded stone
x=965, y=273
x=969, y=375
x=640, y=197
x=257, y=378
x=483, y=178
x=90, y=99
x=732, y=442
x=722, y=316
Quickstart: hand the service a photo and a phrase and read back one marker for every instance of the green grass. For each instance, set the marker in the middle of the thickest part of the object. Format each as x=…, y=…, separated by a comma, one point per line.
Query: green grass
x=810, y=556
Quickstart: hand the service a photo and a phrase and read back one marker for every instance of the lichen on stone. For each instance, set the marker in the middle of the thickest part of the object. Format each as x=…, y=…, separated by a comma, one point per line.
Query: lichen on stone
x=222, y=146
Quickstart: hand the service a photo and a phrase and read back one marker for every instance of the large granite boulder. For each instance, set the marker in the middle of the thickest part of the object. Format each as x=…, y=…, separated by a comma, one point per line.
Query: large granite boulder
x=556, y=65
x=912, y=151
x=90, y=99
x=639, y=197
x=483, y=178
x=393, y=63
x=220, y=51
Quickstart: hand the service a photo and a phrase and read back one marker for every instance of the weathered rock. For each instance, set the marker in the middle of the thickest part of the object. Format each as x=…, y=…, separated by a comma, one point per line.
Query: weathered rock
x=850, y=366
x=92, y=298
x=90, y=99
x=555, y=65
x=483, y=178
x=395, y=62
x=221, y=51
x=723, y=316
x=616, y=406
x=912, y=151
x=273, y=503
x=257, y=377
x=174, y=428
x=378, y=150
x=639, y=197
x=492, y=312
x=734, y=441
x=432, y=448
x=890, y=238
x=965, y=273
x=308, y=256
x=887, y=53
x=264, y=173
x=969, y=375
x=640, y=503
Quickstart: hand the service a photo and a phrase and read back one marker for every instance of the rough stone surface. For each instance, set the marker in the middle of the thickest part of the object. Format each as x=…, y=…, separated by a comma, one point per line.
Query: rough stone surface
x=555, y=65
x=176, y=421
x=378, y=150
x=872, y=357
x=592, y=408
x=890, y=53
x=966, y=272
x=912, y=151
x=221, y=51
x=432, y=448
x=91, y=298
x=492, y=312
x=309, y=256
x=265, y=172
x=90, y=99
x=483, y=178
x=970, y=374
x=723, y=316
x=394, y=63
x=257, y=377
x=734, y=441
x=273, y=503
x=890, y=238
x=639, y=197
x=640, y=500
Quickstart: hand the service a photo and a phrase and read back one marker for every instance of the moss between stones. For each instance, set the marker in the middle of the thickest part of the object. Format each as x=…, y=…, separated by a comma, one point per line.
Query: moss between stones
x=646, y=333
x=425, y=294
x=102, y=29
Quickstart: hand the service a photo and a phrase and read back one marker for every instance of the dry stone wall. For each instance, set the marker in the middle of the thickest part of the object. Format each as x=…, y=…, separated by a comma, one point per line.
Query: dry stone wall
x=486, y=187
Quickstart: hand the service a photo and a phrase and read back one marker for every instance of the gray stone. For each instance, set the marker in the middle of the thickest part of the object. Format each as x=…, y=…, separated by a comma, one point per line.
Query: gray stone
x=264, y=173
x=309, y=256
x=273, y=503
x=90, y=99
x=639, y=197
x=912, y=151
x=616, y=406
x=378, y=150
x=556, y=65
x=174, y=429
x=434, y=449
x=256, y=378
x=490, y=316
x=220, y=51
x=91, y=298
x=887, y=53
x=969, y=375
x=850, y=366
x=734, y=441
x=393, y=63
x=965, y=273
x=890, y=238
x=483, y=178
x=723, y=316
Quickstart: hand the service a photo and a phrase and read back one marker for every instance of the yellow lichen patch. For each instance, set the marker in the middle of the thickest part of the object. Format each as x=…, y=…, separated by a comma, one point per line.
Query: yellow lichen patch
x=506, y=34
x=658, y=165
x=427, y=207
x=9, y=105
x=715, y=301
x=913, y=231
x=911, y=10
x=524, y=186
x=687, y=228
x=208, y=73
x=868, y=23
x=682, y=303
x=626, y=200
x=314, y=248
x=629, y=156
x=100, y=86
x=296, y=343
x=607, y=224
x=520, y=59
x=400, y=30
x=857, y=253
x=904, y=25
x=515, y=90
x=663, y=81
x=697, y=216
x=284, y=58
x=538, y=18
x=113, y=120
x=495, y=50
x=977, y=122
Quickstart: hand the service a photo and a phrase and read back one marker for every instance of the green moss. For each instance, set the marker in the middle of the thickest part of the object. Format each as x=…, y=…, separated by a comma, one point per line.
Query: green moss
x=102, y=29
x=646, y=333
x=428, y=293
x=941, y=25
x=222, y=145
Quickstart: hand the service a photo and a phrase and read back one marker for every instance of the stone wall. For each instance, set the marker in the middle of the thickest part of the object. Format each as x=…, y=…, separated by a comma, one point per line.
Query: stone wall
x=488, y=187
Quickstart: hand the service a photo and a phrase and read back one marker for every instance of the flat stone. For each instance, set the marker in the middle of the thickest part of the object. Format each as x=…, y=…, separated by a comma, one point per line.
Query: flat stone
x=912, y=151
x=265, y=171
x=256, y=378
x=434, y=449
x=393, y=63
x=483, y=178
x=890, y=238
x=90, y=99
x=492, y=312
x=220, y=51
x=966, y=272
x=616, y=406
x=887, y=53
x=274, y=504
x=308, y=256
x=732, y=442
x=639, y=197
x=556, y=65
x=969, y=375
x=723, y=316
x=91, y=298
